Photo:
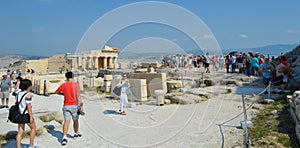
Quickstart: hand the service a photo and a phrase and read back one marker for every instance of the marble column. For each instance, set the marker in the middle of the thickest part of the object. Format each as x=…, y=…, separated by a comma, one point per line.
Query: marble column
x=90, y=65
x=115, y=62
x=78, y=62
x=84, y=62
x=73, y=62
x=110, y=63
x=96, y=62
x=105, y=62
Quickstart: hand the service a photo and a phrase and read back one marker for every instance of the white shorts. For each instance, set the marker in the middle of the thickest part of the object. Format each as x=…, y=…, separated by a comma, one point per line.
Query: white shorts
x=4, y=94
x=240, y=65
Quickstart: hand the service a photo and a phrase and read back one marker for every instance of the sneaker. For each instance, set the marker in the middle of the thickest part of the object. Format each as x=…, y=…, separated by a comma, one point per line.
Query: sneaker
x=77, y=135
x=64, y=142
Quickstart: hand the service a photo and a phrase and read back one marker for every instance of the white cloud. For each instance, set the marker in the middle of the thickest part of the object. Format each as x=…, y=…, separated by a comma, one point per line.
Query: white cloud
x=291, y=31
x=208, y=36
x=244, y=36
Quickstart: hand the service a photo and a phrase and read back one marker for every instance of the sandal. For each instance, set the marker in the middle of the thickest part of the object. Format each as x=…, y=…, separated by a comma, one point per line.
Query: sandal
x=123, y=113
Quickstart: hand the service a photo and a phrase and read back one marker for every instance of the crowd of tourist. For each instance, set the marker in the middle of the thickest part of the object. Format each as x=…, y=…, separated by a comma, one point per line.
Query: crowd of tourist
x=275, y=70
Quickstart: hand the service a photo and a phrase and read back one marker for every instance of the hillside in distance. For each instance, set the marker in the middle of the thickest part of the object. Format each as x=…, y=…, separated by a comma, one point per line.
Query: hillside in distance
x=6, y=59
x=269, y=49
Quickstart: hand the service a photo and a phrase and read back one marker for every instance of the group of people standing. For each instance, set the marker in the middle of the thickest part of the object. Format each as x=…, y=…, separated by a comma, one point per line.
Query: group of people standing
x=273, y=70
x=189, y=61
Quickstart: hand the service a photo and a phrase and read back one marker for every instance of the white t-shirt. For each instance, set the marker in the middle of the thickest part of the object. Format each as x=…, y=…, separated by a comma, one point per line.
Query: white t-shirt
x=124, y=86
x=24, y=102
x=280, y=69
x=233, y=59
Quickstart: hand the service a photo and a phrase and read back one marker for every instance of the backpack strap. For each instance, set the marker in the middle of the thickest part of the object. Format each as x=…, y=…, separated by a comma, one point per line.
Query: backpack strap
x=20, y=102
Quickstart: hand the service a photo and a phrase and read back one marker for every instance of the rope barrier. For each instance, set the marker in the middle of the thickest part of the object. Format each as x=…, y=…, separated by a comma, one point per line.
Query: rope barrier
x=245, y=109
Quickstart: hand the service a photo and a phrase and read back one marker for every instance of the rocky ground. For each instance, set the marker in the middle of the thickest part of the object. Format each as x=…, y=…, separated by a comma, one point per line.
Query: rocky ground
x=203, y=117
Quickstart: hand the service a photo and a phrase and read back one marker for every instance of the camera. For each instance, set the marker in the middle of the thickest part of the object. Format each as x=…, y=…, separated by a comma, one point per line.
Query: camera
x=80, y=112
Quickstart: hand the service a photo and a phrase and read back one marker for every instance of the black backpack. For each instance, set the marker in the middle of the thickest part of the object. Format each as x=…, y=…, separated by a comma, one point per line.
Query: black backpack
x=117, y=90
x=15, y=115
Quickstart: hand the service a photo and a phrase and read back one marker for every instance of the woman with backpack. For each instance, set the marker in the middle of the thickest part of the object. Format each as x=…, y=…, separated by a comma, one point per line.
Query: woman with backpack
x=25, y=105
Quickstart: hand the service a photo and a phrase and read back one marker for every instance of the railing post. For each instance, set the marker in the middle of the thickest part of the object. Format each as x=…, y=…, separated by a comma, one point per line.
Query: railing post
x=246, y=138
x=269, y=90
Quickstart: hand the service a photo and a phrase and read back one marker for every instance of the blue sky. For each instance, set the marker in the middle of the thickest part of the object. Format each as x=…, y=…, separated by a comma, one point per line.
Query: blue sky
x=47, y=27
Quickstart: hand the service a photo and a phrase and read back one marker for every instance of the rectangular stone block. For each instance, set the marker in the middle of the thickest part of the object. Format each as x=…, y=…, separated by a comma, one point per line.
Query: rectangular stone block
x=98, y=82
x=52, y=85
x=138, y=90
x=174, y=86
x=154, y=81
x=107, y=83
x=107, y=77
x=167, y=101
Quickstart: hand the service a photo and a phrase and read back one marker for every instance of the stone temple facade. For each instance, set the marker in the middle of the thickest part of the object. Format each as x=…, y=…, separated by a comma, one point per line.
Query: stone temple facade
x=95, y=59
x=90, y=60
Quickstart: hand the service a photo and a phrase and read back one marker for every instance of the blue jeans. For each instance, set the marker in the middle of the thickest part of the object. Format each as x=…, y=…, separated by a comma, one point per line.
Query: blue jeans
x=249, y=70
x=266, y=81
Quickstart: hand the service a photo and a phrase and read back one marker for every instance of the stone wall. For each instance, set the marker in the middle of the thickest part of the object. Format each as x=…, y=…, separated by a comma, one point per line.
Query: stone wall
x=39, y=66
x=150, y=64
x=55, y=62
x=46, y=84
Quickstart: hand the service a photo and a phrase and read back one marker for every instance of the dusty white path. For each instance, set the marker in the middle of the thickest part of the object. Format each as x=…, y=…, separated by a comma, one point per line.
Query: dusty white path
x=147, y=125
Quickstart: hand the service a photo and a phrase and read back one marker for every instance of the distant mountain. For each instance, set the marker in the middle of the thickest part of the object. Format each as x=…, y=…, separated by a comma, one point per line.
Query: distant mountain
x=6, y=59
x=269, y=49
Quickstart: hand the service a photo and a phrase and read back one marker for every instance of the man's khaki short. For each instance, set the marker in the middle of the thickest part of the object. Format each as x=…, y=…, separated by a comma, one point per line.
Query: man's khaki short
x=4, y=94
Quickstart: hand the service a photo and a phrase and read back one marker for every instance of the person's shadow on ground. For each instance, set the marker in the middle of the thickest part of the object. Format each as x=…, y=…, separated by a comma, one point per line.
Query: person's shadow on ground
x=111, y=112
x=11, y=140
x=12, y=143
x=55, y=133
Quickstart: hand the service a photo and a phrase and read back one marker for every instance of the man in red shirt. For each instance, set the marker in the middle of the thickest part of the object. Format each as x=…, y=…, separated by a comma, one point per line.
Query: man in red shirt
x=72, y=105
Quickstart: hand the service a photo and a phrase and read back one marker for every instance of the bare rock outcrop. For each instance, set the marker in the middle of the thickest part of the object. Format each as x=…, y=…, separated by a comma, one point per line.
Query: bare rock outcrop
x=294, y=58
